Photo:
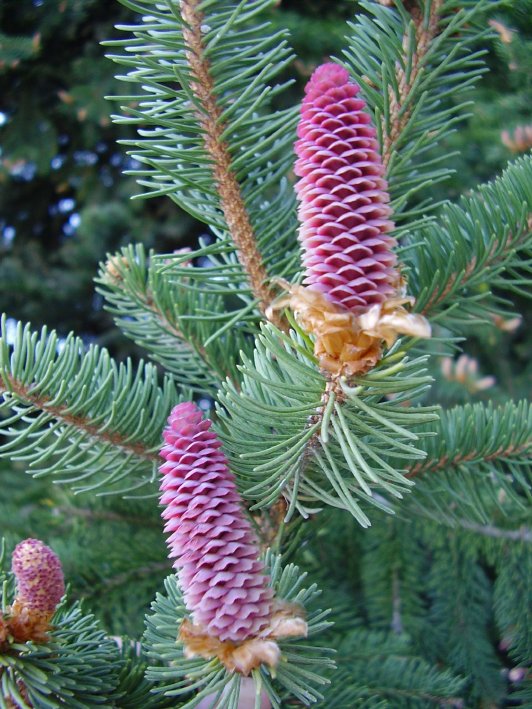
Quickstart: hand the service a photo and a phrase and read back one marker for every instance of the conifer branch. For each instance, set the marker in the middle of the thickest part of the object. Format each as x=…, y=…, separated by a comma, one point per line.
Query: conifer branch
x=210, y=118
x=415, y=48
x=86, y=425
x=208, y=139
x=148, y=306
x=502, y=248
x=472, y=456
x=73, y=412
x=484, y=238
x=288, y=434
x=478, y=461
x=487, y=434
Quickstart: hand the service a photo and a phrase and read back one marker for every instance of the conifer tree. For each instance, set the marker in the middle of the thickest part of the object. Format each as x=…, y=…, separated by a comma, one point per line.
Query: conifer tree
x=347, y=508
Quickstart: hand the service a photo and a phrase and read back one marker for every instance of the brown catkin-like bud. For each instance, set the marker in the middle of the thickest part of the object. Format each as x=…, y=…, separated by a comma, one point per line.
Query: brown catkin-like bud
x=40, y=587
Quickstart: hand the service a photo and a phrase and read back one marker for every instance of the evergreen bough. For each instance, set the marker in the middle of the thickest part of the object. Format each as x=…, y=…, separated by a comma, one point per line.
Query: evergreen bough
x=430, y=605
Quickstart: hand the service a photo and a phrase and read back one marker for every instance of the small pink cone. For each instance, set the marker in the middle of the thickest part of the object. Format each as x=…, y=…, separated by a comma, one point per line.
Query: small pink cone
x=215, y=549
x=39, y=575
x=344, y=211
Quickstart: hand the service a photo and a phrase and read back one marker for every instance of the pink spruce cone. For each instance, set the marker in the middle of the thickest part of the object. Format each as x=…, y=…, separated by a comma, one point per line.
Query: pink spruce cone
x=39, y=575
x=344, y=213
x=216, y=552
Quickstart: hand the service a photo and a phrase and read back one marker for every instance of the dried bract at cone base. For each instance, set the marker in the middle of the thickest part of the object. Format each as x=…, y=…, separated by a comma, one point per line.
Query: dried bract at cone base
x=286, y=621
x=4, y=630
x=346, y=343
x=24, y=623
x=242, y=657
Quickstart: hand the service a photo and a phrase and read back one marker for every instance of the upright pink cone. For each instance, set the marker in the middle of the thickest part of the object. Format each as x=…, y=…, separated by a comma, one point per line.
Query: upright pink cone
x=344, y=213
x=40, y=582
x=216, y=552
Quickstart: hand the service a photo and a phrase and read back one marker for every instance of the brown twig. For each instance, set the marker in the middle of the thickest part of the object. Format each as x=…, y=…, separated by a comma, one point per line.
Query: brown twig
x=397, y=623
x=456, y=280
x=333, y=387
x=400, y=111
x=95, y=515
x=433, y=466
x=125, y=577
x=232, y=202
x=523, y=534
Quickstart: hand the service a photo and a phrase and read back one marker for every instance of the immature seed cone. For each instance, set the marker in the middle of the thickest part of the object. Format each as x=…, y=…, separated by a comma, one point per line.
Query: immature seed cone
x=39, y=575
x=353, y=296
x=344, y=213
x=222, y=580
x=40, y=587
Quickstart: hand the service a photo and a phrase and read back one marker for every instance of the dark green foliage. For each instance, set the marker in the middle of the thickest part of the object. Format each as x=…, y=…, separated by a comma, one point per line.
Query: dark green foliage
x=446, y=619
x=512, y=598
x=431, y=603
x=391, y=673
x=63, y=203
x=462, y=599
x=59, y=390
